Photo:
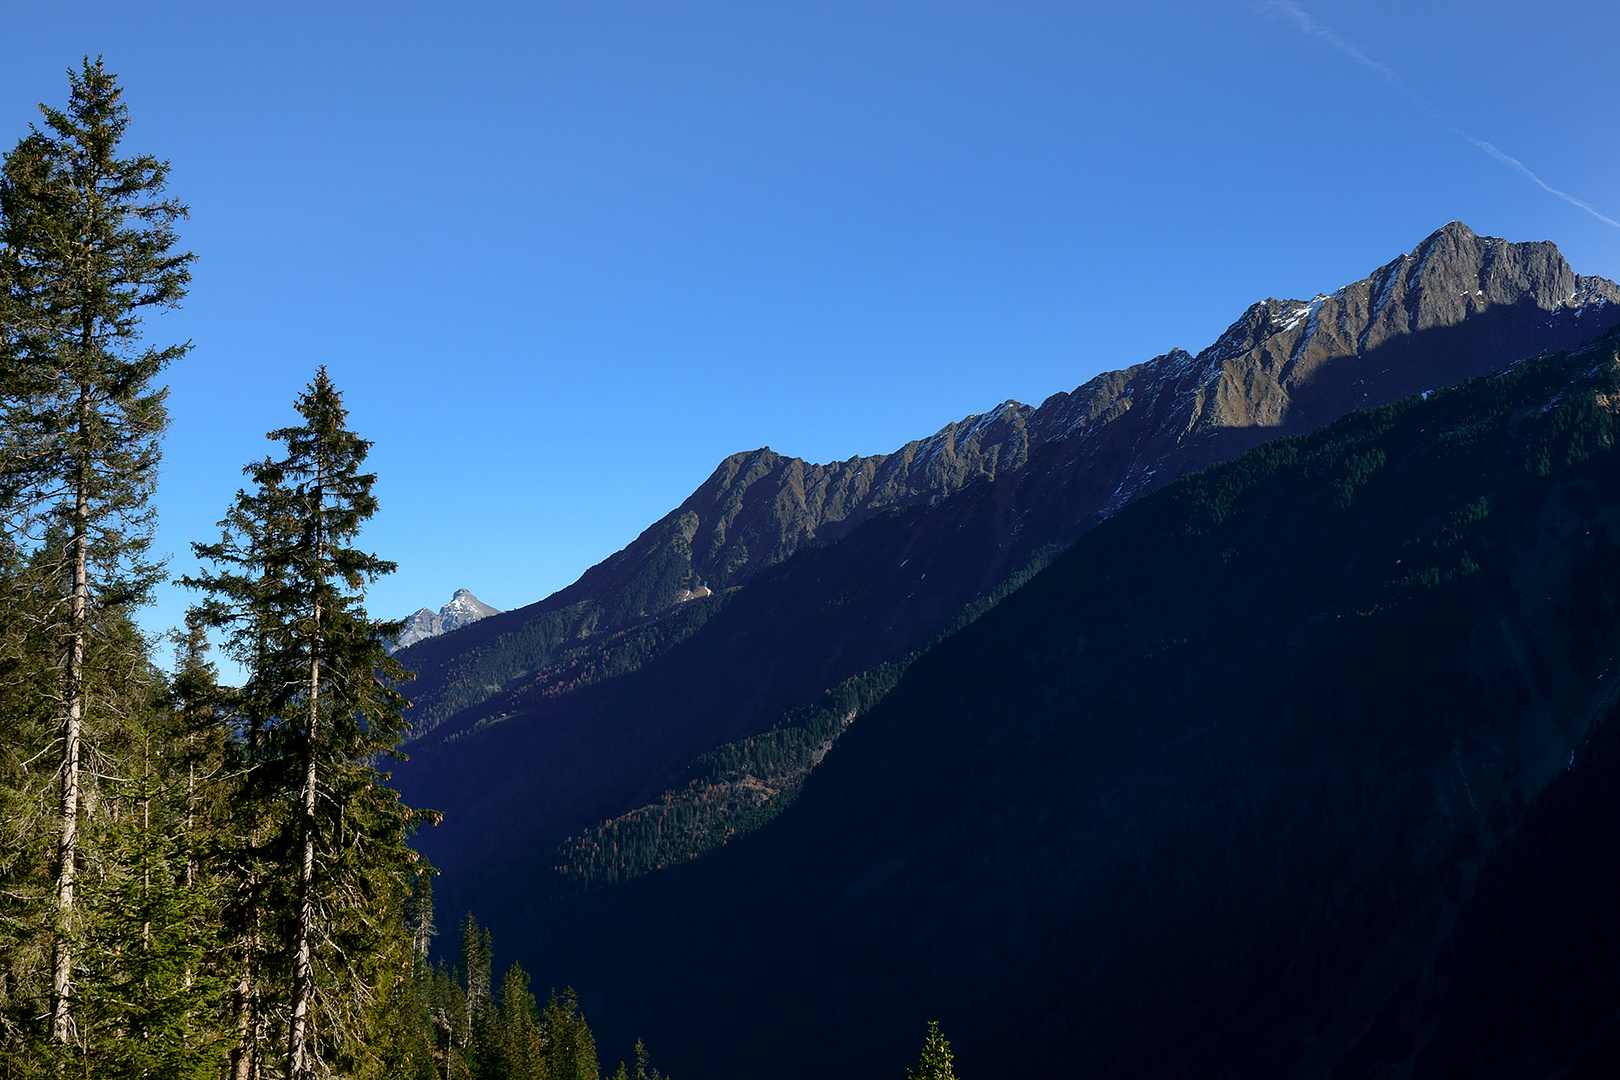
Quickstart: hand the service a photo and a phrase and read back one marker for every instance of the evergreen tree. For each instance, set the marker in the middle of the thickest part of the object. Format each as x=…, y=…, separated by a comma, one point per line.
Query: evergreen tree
x=247, y=603
x=570, y=1047
x=150, y=985
x=476, y=958
x=935, y=1062
x=643, y=1069
x=322, y=708
x=406, y=1042
x=88, y=246
x=521, y=1046
x=28, y=723
x=480, y=1039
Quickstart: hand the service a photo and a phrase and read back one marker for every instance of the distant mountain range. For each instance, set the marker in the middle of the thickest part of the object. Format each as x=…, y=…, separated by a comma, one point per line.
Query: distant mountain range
x=679, y=695
x=464, y=609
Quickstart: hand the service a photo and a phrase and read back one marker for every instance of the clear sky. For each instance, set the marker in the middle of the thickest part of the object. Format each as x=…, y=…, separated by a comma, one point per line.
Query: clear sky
x=563, y=257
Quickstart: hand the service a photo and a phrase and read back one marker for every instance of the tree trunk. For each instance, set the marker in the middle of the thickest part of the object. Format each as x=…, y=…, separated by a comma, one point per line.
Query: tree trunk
x=241, y=1061
x=299, y=1064
x=68, y=844
x=245, y=1001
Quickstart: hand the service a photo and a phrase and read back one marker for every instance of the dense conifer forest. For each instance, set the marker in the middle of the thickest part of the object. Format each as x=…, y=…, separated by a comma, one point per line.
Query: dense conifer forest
x=200, y=880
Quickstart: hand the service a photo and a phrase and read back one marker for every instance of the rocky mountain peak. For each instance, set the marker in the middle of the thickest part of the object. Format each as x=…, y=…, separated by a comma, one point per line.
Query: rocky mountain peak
x=463, y=609
x=1284, y=366
x=1458, y=304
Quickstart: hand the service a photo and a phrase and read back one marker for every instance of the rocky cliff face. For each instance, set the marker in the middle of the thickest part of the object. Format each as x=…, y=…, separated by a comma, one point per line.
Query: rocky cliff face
x=463, y=609
x=1459, y=304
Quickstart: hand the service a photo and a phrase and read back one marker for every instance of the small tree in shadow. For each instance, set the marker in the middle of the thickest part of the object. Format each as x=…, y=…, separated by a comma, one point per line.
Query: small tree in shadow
x=935, y=1062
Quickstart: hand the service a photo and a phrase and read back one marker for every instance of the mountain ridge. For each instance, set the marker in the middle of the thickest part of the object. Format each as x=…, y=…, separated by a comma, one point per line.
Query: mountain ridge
x=611, y=726
x=1284, y=366
x=1204, y=797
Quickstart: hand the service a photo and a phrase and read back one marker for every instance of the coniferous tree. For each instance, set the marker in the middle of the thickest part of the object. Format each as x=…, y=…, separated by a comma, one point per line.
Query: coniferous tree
x=570, y=1046
x=322, y=708
x=481, y=1041
x=147, y=1003
x=406, y=1047
x=935, y=1061
x=88, y=246
x=247, y=602
x=521, y=1046
x=643, y=1067
x=27, y=827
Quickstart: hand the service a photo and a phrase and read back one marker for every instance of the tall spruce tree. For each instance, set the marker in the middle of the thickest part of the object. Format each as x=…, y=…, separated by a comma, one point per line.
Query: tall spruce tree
x=322, y=709
x=87, y=246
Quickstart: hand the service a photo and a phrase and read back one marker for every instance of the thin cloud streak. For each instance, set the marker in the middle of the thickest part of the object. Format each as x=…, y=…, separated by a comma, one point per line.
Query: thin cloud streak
x=1533, y=178
x=1304, y=22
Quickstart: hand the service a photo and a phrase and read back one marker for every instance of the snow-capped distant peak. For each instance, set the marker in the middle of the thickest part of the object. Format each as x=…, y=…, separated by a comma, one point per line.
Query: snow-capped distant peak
x=463, y=609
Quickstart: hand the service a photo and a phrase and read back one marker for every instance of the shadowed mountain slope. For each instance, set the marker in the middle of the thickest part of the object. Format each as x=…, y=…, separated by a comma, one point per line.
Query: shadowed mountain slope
x=1458, y=305
x=1529, y=985
x=1198, y=800
x=612, y=721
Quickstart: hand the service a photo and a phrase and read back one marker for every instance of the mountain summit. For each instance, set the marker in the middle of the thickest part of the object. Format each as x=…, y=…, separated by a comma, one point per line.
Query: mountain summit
x=1285, y=366
x=463, y=609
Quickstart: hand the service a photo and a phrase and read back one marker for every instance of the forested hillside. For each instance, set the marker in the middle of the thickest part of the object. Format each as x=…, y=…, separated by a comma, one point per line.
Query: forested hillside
x=1207, y=795
x=605, y=760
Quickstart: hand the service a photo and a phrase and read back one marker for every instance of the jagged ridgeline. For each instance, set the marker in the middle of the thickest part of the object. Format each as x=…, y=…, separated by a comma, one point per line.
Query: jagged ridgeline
x=1455, y=306
x=1206, y=796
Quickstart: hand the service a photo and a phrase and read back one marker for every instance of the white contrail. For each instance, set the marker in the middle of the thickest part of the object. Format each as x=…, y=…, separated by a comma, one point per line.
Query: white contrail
x=1305, y=23
x=1538, y=181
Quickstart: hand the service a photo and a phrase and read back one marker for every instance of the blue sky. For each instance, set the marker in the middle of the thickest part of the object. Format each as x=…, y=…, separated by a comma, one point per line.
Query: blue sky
x=563, y=258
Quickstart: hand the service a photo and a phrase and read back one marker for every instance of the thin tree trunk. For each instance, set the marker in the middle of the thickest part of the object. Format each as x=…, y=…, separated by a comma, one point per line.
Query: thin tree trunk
x=245, y=1007
x=68, y=845
x=299, y=1065
x=242, y=1052
x=246, y=1002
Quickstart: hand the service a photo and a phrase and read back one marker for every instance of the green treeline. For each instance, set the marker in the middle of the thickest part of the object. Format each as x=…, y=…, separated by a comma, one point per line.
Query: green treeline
x=200, y=880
